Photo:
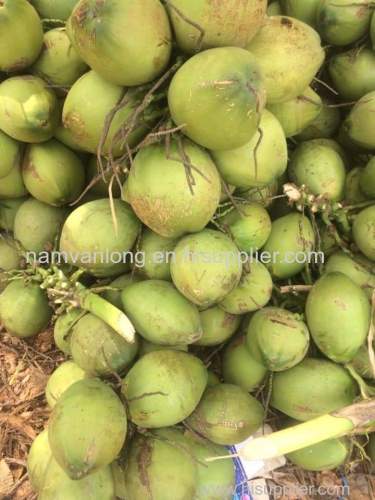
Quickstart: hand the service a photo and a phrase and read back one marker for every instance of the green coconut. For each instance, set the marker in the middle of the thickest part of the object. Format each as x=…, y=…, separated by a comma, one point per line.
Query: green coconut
x=59, y=63
x=146, y=347
x=360, y=121
x=277, y=338
x=367, y=179
x=252, y=292
x=186, y=199
x=364, y=232
x=327, y=455
x=226, y=415
x=218, y=86
x=249, y=226
x=54, y=9
x=160, y=466
x=206, y=267
x=362, y=363
x=8, y=210
x=52, y=173
x=213, y=379
x=89, y=238
x=157, y=252
x=225, y=24
x=163, y=388
x=10, y=259
x=320, y=168
x=289, y=65
x=38, y=225
x=63, y=327
x=98, y=350
x=113, y=294
x=324, y=125
x=262, y=195
x=161, y=314
x=102, y=185
x=304, y=11
x=274, y=9
x=295, y=115
x=21, y=35
x=61, y=379
x=239, y=367
x=342, y=22
x=287, y=249
x=12, y=185
x=38, y=458
x=259, y=162
x=28, y=109
x=353, y=192
x=312, y=388
x=91, y=414
x=338, y=314
x=217, y=325
x=11, y=152
x=359, y=270
x=86, y=107
x=24, y=309
x=101, y=33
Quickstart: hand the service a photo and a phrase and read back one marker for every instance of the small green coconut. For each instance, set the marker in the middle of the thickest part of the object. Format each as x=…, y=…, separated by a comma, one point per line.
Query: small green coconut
x=217, y=325
x=163, y=388
x=206, y=267
x=38, y=458
x=185, y=201
x=161, y=314
x=61, y=379
x=312, y=388
x=24, y=309
x=52, y=173
x=38, y=225
x=12, y=185
x=98, y=350
x=157, y=252
x=364, y=232
x=11, y=152
x=240, y=368
x=304, y=11
x=353, y=192
x=260, y=161
x=222, y=85
x=63, y=328
x=28, y=109
x=367, y=179
x=360, y=121
x=289, y=65
x=91, y=414
x=8, y=210
x=277, y=338
x=252, y=292
x=226, y=415
x=324, y=125
x=113, y=294
x=54, y=9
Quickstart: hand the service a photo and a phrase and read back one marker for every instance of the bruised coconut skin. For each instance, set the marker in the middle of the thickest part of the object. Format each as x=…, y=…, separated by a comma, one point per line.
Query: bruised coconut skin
x=166, y=318
x=225, y=24
x=158, y=189
x=11, y=152
x=289, y=65
x=360, y=123
x=207, y=91
x=304, y=11
x=364, y=232
x=164, y=387
x=218, y=326
x=127, y=42
x=312, y=388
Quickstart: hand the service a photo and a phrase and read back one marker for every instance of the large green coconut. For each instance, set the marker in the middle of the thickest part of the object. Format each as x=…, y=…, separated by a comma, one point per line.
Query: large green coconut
x=312, y=388
x=277, y=338
x=304, y=11
x=252, y=292
x=259, y=162
x=364, y=232
x=91, y=240
x=249, y=226
x=164, y=387
x=320, y=168
x=186, y=199
x=38, y=458
x=98, y=350
x=61, y=379
x=63, y=328
x=28, y=109
x=91, y=414
x=217, y=325
x=226, y=415
x=287, y=249
x=324, y=125
x=128, y=43
x=206, y=267
x=8, y=210
x=367, y=179
x=342, y=22
x=225, y=24
x=12, y=185
x=21, y=35
x=161, y=314
x=295, y=115
x=353, y=73
x=360, y=122
x=362, y=363
x=102, y=185
x=54, y=9
x=10, y=258
x=24, y=309
x=59, y=63
x=146, y=347
x=86, y=107
x=240, y=368
x=161, y=466
x=218, y=86
x=11, y=152
x=38, y=225
x=353, y=192
x=289, y=65
x=157, y=252
x=338, y=314
x=52, y=173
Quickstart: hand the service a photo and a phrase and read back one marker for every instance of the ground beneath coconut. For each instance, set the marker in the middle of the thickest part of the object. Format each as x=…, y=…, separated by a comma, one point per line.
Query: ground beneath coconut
x=24, y=370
